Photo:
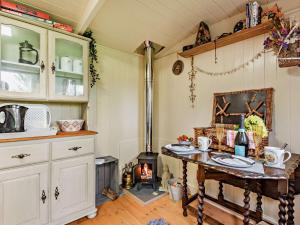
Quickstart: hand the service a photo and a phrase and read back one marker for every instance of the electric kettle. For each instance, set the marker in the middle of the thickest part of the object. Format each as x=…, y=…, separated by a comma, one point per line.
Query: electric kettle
x=12, y=118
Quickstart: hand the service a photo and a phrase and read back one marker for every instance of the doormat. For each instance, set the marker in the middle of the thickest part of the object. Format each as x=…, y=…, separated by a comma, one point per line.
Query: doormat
x=146, y=194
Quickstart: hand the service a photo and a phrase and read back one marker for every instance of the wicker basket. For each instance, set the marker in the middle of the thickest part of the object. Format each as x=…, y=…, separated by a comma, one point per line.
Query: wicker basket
x=290, y=56
x=211, y=133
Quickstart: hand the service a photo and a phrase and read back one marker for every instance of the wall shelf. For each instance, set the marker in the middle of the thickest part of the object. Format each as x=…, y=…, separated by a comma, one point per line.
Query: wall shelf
x=233, y=38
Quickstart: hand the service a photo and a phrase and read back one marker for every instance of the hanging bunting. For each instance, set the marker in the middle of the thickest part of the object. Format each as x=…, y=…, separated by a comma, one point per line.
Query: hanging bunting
x=233, y=70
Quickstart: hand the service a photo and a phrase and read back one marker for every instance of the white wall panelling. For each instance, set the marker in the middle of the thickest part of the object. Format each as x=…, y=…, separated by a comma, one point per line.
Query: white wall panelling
x=120, y=105
x=175, y=116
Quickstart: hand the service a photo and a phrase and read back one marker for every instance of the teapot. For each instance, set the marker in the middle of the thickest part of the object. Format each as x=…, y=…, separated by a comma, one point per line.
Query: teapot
x=28, y=54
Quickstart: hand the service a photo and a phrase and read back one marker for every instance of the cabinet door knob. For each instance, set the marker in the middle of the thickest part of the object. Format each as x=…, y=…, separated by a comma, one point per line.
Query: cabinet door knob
x=75, y=148
x=44, y=197
x=20, y=156
x=42, y=66
x=56, y=194
x=53, y=68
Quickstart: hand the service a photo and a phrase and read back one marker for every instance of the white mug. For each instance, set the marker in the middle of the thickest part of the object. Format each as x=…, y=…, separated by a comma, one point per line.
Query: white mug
x=275, y=156
x=204, y=143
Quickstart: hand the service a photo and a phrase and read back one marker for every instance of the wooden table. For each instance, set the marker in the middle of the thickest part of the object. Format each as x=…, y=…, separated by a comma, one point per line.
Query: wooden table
x=278, y=184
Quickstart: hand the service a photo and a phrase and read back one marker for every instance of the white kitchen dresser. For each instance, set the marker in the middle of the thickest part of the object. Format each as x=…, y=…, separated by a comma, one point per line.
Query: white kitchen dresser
x=47, y=180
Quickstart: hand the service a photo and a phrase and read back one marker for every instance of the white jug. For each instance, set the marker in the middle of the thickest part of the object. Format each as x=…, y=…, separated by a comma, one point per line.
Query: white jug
x=66, y=64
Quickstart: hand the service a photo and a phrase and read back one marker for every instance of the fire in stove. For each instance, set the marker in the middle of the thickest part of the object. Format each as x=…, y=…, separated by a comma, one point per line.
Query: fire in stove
x=146, y=173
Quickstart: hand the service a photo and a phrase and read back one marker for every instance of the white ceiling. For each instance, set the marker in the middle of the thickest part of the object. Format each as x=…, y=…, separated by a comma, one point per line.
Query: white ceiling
x=69, y=11
x=125, y=24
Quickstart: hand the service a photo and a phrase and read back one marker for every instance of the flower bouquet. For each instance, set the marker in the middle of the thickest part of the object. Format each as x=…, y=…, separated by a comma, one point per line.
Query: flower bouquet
x=255, y=121
x=284, y=39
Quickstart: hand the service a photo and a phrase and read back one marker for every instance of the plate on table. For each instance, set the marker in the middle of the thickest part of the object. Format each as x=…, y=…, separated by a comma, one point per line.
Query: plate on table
x=179, y=148
x=233, y=161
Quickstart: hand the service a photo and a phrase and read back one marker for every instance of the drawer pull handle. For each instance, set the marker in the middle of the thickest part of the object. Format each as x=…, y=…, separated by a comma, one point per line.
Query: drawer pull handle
x=20, y=156
x=44, y=197
x=56, y=194
x=74, y=148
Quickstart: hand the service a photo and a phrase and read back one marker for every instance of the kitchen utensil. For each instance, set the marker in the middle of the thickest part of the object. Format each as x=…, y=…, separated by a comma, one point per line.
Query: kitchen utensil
x=70, y=125
x=77, y=66
x=275, y=156
x=204, y=143
x=66, y=64
x=12, y=118
x=284, y=146
x=37, y=117
x=27, y=54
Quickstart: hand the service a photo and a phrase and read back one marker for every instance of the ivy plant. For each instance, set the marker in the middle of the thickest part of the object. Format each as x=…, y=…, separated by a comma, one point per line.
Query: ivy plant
x=93, y=58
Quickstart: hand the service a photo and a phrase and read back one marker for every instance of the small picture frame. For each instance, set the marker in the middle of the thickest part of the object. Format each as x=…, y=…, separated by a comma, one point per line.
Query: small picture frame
x=177, y=67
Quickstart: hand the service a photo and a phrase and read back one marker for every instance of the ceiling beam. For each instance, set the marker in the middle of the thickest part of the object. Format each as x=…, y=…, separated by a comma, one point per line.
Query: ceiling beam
x=91, y=9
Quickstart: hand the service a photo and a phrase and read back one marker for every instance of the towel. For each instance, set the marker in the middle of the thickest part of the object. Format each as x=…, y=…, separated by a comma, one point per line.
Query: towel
x=231, y=137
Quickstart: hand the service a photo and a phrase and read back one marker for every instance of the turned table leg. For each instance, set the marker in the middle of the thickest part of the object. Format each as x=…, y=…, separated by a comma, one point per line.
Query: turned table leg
x=246, y=203
x=220, y=195
x=259, y=210
x=201, y=194
x=282, y=210
x=185, y=195
x=290, y=200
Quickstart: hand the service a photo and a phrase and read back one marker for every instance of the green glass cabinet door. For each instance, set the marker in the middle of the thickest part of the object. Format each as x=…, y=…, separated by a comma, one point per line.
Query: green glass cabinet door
x=23, y=60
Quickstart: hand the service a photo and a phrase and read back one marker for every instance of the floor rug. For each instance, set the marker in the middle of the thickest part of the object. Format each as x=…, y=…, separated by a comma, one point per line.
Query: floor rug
x=158, y=222
x=146, y=194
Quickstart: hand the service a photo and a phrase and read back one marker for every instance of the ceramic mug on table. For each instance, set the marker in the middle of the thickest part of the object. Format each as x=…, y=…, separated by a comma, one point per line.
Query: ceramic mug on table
x=276, y=156
x=204, y=143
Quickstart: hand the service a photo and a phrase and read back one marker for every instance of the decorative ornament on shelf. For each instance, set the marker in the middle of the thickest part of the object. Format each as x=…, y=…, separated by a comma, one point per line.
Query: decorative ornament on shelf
x=203, y=34
x=284, y=40
x=93, y=58
x=192, y=86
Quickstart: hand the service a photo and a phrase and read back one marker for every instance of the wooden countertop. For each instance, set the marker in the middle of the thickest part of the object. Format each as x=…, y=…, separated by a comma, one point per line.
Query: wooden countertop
x=58, y=135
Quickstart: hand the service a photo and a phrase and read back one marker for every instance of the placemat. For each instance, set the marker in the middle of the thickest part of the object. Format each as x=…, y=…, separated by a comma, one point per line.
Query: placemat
x=256, y=168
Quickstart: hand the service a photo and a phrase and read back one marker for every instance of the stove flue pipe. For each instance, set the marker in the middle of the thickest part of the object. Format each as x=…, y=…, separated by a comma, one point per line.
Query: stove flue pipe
x=149, y=94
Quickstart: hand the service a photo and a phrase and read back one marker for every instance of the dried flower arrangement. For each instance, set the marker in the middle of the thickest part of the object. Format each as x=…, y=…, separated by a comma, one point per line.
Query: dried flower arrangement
x=284, y=39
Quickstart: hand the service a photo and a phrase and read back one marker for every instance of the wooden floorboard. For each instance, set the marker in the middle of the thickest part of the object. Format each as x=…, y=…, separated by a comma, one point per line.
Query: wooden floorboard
x=127, y=211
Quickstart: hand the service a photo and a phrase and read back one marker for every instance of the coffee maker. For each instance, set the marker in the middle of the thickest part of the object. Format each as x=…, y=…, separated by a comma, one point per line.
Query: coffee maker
x=12, y=118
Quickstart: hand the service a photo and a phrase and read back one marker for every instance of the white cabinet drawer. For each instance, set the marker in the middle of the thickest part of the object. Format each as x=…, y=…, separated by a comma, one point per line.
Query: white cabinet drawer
x=22, y=155
x=65, y=149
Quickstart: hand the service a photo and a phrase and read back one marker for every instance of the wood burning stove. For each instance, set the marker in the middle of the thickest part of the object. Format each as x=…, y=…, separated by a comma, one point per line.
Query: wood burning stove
x=146, y=170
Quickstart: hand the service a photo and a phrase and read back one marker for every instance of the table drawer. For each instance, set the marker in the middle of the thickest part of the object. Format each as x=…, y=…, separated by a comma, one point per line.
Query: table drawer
x=24, y=154
x=65, y=149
